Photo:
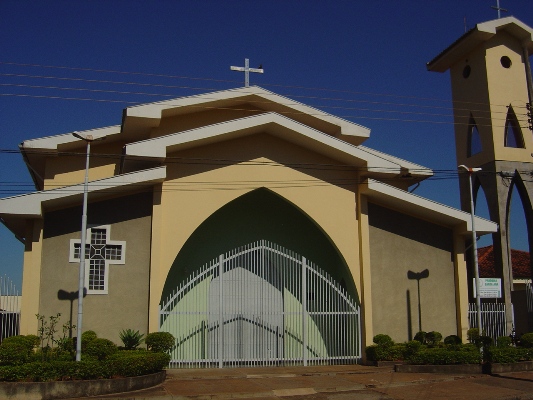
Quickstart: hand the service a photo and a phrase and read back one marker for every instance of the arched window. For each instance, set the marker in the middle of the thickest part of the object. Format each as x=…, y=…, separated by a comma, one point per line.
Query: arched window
x=513, y=133
x=474, y=139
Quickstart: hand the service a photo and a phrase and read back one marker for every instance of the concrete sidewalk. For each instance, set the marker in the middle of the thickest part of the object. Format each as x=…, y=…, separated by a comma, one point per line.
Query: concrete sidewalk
x=340, y=382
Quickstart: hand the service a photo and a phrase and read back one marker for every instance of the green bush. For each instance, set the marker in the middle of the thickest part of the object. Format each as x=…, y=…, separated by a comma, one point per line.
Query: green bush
x=121, y=364
x=503, y=341
x=433, y=338
x=28, y=341
x=135, y=363
x=131, y=339
x=472, y=335
x=17, y=349
x=412, y=347
x=420, y=337
x=100, y=348
x=452, y=340
x=526, y=340
x=484, y=342
x=12, y=353
x=509, y=354
x=386, y=353
x=383, y=340
x=445, y=356
x=161, y=342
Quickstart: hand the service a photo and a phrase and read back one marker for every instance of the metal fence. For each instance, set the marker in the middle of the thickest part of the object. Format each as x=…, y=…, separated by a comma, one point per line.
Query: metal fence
x=261, y=304
x=529, y=300
x=493, y=319
x=9, y=308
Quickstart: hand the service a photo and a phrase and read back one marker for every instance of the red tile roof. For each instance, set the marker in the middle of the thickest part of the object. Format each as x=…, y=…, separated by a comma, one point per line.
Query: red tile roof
x=519, y=258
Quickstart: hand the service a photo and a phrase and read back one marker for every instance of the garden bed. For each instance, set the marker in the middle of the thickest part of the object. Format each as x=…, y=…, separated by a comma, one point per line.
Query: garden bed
x=77, y=388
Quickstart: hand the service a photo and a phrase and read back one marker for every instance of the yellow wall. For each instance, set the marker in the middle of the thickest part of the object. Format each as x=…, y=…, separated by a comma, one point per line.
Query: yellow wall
x=65, y=170
x=195, y=191
x=487, y=93
x=31, y=278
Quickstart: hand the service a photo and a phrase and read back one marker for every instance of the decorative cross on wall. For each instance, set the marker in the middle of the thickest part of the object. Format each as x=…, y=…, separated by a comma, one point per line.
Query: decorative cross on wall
x=99, y=254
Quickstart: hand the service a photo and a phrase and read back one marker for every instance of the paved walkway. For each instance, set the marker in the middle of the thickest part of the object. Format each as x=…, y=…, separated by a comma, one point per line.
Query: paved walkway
x=331, y=382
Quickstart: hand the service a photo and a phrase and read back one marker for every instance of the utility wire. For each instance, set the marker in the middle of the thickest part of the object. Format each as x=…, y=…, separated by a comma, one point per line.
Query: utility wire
x=230, y=81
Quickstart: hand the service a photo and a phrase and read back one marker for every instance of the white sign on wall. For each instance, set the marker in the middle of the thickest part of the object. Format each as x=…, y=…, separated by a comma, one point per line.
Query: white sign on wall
x=489, y=288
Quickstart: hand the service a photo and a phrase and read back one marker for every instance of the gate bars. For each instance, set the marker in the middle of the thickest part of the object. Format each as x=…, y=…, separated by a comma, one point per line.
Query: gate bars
x=9, y=308
x=261, y=305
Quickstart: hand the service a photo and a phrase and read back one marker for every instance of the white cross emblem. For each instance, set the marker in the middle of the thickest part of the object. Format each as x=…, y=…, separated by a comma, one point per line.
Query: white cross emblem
x=99, y=254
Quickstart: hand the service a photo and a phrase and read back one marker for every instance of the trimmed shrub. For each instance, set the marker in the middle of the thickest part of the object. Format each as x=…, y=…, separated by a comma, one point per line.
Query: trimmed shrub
x=412, y=347
x=131, y=339
x=17, y=349
x=385, y=353
x=484, y=341
x=472, y=335
x=503, y=341
x=121, y=364
x=509, y=354
x=433, y=338
x=135, y=363
x=526, y=340
x=161, y=342
x=452, y=340
x=101, y=348
x=420, y=337
x=444, y=356
x=383, y=340
x=13, y=353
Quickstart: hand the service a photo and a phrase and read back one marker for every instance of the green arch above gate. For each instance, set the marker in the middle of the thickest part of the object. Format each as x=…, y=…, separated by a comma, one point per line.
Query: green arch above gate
x=260, y=214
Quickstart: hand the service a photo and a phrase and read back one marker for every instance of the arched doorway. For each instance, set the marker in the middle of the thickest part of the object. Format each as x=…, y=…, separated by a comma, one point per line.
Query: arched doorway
x=261, y=304
x=242, y=290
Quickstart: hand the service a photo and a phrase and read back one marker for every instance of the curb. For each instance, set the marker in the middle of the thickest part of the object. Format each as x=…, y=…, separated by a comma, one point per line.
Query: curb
x=69, y=389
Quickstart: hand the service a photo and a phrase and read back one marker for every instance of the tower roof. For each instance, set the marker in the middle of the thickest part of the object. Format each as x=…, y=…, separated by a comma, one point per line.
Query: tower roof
x=478, y=35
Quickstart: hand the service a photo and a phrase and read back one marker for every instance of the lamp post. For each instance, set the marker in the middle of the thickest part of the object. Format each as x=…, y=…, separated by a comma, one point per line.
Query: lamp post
x=81, y=282
x=474, y=243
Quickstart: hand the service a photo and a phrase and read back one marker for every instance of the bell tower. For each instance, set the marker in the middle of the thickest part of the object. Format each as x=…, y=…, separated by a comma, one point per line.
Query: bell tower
x=492, y=96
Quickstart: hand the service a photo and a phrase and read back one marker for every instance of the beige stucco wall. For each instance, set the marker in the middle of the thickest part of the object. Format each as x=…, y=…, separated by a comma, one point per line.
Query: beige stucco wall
x=202, y=180
x=400, y=243
x=126, y=304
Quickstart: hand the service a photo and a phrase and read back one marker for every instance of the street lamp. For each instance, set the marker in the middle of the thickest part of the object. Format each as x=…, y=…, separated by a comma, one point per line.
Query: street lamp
x=81, y=283
x=474, y=243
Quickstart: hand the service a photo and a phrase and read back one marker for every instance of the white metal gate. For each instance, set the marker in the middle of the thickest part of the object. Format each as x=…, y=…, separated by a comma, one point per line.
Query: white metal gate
x=261, y=304
x=9, y=308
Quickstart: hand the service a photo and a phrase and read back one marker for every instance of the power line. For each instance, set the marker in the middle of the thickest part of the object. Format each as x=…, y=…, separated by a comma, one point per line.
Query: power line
x=425, y=99
x=230, y=81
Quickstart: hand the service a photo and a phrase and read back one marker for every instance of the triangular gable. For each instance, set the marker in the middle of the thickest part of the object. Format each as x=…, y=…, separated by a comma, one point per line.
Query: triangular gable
x=285, y=128
x=479, y=34
x=148, y=116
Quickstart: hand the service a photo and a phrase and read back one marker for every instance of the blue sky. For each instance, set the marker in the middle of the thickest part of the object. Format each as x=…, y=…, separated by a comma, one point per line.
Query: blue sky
x=361, y=60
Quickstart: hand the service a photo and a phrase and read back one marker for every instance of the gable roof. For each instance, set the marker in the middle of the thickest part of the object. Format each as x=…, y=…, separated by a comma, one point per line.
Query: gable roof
x=426, y=209
x=479, y=34
x=373, y=162
x=15, y=210
x=149, y=115
x=520, y=261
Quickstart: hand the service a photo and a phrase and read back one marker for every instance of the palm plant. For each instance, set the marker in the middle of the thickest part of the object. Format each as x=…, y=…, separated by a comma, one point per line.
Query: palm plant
x=131, y=339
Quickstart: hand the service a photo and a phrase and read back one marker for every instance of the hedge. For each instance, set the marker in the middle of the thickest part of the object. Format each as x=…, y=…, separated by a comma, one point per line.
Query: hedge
x=508, y=355
x=121, y=364
x=444, y=356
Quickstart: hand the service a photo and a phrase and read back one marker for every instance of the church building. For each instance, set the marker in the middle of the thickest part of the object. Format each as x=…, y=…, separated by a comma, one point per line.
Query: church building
x=254, y=228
